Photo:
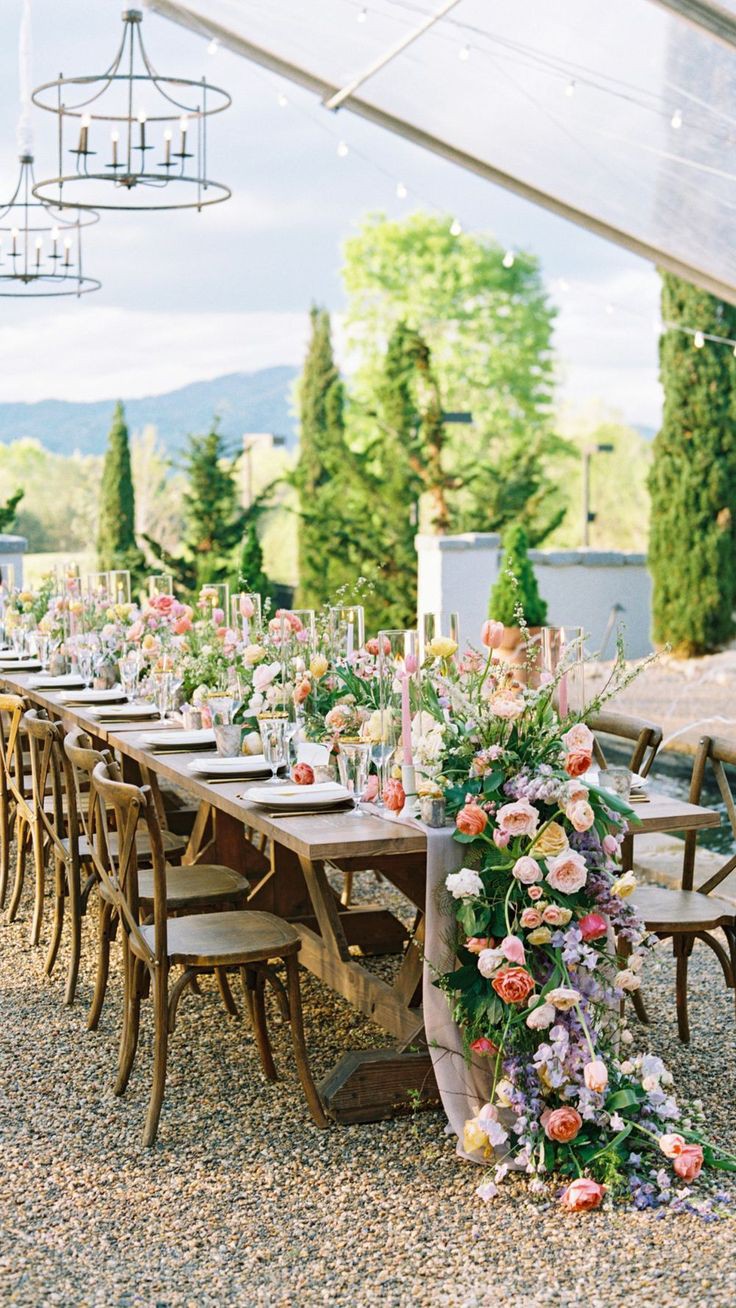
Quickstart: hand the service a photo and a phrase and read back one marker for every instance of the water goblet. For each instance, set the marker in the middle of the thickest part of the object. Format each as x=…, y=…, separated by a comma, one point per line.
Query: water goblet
x=353, y=762
x=129, y=668
x=275, y=746
x=85, y=662
x=163, y=692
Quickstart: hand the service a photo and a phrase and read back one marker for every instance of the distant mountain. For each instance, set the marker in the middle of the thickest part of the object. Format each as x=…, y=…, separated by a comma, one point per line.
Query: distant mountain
x=244, y=401
x=647, y=432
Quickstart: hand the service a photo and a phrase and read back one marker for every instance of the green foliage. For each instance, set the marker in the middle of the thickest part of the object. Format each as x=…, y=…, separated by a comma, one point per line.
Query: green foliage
x=61, y=504
x=692, y=550
x=516, y=584
x=621, y=521
x=251, y=576
x=322, y=470
x=213, y=519
x=116, y=543
x=489, y=330
x=8, y=510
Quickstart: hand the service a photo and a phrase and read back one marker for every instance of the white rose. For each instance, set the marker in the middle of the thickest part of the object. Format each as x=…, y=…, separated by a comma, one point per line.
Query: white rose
x=489, y=960
x=563, y=997
x=542, y=1016
x=627, y=980
x=464, y=883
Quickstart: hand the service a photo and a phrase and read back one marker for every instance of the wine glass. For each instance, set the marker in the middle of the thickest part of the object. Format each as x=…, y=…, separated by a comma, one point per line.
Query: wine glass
x=275, y=744
x=163, y=692
x=353, y=761
x=42, y=649
x=129, y=667
x=85, y=661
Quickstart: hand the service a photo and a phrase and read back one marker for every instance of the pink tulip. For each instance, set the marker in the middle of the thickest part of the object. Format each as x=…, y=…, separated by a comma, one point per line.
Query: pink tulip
x=491, y=634
x=513, y=950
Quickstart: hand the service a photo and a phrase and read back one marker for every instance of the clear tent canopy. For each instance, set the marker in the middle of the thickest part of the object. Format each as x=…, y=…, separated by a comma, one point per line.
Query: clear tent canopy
x=620, y=117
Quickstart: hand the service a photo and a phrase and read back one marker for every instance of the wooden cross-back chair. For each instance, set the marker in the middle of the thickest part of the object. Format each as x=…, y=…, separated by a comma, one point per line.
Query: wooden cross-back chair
x=188, y=889
x=200, y=943
x=644, y=737
x=692, y=912
x=17, y=810
x=55, y=802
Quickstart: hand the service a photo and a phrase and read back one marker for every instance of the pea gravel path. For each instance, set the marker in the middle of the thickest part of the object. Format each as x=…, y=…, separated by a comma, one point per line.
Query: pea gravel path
x=243, y=1202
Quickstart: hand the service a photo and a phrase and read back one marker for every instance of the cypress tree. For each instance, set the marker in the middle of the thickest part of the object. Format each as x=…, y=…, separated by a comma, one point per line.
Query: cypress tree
x=116, y=543
x=520, y=587
x=251, y=576
x=693, y=477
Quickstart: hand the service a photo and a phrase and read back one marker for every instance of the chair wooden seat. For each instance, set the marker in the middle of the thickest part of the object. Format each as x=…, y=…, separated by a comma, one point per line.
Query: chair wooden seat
x=225, y=939
x=664, y=910
x=189, y=887
x=172, y=843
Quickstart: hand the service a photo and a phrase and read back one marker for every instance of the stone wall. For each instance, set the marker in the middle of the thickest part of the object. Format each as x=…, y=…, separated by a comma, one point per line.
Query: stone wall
x=583, y=588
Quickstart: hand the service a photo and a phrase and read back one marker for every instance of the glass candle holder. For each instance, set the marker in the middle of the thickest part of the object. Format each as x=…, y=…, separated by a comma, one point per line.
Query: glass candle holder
x=346, y=628
x=118, y=584
x=160, y=583
x=246, y=615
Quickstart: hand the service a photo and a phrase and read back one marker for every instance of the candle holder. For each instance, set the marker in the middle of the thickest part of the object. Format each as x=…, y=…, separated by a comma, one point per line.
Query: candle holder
x=160, y=583
x=118, y=583
x=214, y=601
x=246, y=615
x=562, y=657
x=346, y=627
x=400, y=696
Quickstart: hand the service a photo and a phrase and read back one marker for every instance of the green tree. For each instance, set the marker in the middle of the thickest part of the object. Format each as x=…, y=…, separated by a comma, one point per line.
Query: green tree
x=516, y=584
x=489, y=330
x=214, y=521
x=322, y=470
x=251, y=576
x=693, y=477
x=8, y=510
x=116, y=543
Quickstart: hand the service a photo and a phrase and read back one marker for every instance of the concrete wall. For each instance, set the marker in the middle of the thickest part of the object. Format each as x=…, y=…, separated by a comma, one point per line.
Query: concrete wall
x=12, y=549
x=581, y=587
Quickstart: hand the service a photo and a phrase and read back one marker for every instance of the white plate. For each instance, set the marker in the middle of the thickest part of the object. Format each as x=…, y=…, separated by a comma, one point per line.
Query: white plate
x=323, y=794
x=20, y=665
x=241, y=766
x=179, y=739
x=92, y=696
x=68, y=681
x=134, y=711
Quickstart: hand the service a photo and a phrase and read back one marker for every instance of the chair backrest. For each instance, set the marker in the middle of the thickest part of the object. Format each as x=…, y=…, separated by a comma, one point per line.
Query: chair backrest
x=54, y=797
x=645, y=738
x=117, y=864
x=716, y=753
x=12, y=762
x=83, y=759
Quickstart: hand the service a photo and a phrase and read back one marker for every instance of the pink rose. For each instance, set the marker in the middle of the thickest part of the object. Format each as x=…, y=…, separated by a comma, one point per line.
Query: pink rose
x=553, y=915
x=581, y=815
x=578, y=763
x=596, y=1076
x=689, y=1162
x=136, y=630
x=483, y=1046
x=575, y=791
x=513, y=950
x=504, y=704
x=519, y=819
x=501, y=838
x=582, y=1195
x=471, y=820
x=371, y=790
x=182, y=625
x=476, y=944
x=531, y=918
x=610, y=845
x=593, y=926
x=579, y=739
x=561, y=1124
x=535, y=892
x=264, y=675
x=394, y=796
x=301, y=691
x=672, y=1145
x=527, y=870
x=513, y=984
x=567, y=872
x=491, y=634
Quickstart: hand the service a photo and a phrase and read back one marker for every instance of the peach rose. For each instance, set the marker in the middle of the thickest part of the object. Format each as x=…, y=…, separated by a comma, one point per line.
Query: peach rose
x=562, y=1124
x=394, y=795
x=483, y=1046
x=491, y=634
x=531, y=918
x=471, y=820
x=582, y=1195
x=526, y=870
x=535, y=892
x=513, y=985
x=672, y=1145
x=476, y=944
x=553, y=915
x=689, y=1162
x=505, y=705
x=579, y=739
x=567, y=873
x=575, y=791
x=550, y=841
x=581, y=815
x=519, y=819
x=577, y=764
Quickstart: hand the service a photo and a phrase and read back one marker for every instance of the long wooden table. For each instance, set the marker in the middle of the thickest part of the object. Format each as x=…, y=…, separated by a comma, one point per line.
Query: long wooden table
x=286, y=859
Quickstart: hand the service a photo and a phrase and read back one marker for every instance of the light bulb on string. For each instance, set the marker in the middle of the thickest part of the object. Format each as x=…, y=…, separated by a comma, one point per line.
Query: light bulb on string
x=401, y=191
x=676, y=120
x=455, y=228
x=362, y=16
x=213, y=46
x=281, y=100
x=570, y=89
x=342, y=149
x=698, y=340
x=610, y=310
x=463, y=53
x=509, y=259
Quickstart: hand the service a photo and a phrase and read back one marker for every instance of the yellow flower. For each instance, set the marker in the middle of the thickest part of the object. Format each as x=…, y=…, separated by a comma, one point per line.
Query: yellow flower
x=504, y=1089
x=149, y=642
x=540, y=936
x=442, y=647
x=473, y=1137
x=624, y=885
x=551, y=841
x=76, y=606
x=318, y=666
x=26, y=596
x=253, y=654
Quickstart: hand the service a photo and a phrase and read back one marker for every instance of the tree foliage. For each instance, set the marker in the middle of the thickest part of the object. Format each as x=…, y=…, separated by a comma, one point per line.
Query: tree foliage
x=116, y=542
x=251, y=574
x=693, y=477
x=8, y=510
x=516, y=585
x=489, y=330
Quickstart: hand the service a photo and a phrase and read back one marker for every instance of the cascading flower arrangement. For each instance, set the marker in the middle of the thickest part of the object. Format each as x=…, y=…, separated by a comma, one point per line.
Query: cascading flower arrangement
x=548, y=946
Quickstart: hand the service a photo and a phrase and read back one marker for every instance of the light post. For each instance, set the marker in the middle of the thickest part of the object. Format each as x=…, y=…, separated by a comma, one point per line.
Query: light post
x=604, y=447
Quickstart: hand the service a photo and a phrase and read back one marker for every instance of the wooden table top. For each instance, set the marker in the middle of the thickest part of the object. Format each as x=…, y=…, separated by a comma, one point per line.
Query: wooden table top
x=331, y=835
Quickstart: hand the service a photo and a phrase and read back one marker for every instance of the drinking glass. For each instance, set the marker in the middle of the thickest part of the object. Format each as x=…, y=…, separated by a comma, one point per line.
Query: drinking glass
x=399, y=682
x=85, y=661
x=617, y=780
x=353, y=762
x=228, y=738
x=164, y=692
x=129, y=667
x=273, y=736
x=42, y=649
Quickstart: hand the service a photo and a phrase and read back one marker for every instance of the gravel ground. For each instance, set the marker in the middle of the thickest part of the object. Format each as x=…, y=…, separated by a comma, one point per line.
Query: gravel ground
x=243, y=1202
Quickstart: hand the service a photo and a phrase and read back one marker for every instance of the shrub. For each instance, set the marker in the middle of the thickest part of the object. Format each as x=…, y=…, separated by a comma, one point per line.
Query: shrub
x=516, y=586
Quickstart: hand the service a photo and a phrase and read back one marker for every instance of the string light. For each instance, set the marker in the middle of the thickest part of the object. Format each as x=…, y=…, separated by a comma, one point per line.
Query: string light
x=401, y=191
x=213, y=46
x=362, y=16
x=676, y=120
x=698, y=340
x=464, y=54
x=281, y=100
x=342, y=149
x=570, y=88
x=509, y=259
x=455, y=228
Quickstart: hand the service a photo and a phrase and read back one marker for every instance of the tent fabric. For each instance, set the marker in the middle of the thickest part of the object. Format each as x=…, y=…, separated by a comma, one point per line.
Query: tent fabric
x=619, y=117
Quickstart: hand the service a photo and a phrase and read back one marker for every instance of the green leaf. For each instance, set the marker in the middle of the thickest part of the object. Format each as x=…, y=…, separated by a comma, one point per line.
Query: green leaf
x=628, y=1097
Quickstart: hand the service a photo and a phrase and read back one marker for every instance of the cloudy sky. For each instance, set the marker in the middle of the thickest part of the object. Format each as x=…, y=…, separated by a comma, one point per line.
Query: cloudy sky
x=188, y=296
